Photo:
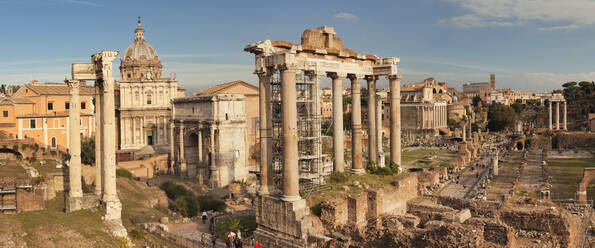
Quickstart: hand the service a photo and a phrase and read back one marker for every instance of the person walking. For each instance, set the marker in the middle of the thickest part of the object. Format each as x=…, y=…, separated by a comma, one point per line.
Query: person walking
x=204, y=217
x=257, y=245
x=214, y=240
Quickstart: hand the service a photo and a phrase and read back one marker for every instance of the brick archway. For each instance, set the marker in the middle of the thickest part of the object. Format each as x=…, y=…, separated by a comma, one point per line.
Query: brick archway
x=588, y=175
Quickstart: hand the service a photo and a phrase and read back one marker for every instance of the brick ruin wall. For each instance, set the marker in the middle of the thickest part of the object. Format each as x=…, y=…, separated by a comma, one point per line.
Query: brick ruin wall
x=29, y=200
x=574, y=140
x=369, y=205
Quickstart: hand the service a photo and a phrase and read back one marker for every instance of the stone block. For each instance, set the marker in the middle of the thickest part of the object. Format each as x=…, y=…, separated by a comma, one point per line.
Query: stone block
x=463, y=215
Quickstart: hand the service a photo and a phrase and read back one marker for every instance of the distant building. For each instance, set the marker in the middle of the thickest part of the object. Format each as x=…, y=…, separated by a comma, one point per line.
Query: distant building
x=144, y=108
x=40, y=112
x=423, y=109
x=481, y=89
x=591, y=122
x=210, y=138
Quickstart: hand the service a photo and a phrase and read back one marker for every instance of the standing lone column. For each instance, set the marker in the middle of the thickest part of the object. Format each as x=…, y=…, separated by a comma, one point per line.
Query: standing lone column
x=291, y=174
x=557, y=115
x=395, y=118
x=495, y=163
x=172, y=151
x=372, y=119
x=464, y=127
x=338, y=149
x=564, y=116
x=75, y=191
x=112, y=205
x=98, y=142
x=264, y=101
x=379, y=139
x=550, y=119
x=356, y=125
x=183, y=171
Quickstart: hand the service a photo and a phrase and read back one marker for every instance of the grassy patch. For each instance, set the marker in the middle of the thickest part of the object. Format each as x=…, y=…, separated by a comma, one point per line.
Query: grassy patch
x=566, y=174
x=53, y=220
x=421, y=153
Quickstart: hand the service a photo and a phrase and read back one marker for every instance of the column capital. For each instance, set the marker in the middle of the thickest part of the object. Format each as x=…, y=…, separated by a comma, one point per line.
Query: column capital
x=394, y=77
x=288, y=67
x=73, y=84
x=355, y=76
x=335, y=75
x=371, y=78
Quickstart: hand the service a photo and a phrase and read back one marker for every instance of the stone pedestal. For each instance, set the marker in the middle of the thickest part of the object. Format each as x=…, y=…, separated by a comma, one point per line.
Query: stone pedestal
x=73, y=203
x=281, y=223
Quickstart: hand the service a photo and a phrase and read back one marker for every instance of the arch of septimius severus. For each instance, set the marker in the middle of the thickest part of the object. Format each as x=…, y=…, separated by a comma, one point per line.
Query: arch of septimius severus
x=100, y=70
x=321, y=53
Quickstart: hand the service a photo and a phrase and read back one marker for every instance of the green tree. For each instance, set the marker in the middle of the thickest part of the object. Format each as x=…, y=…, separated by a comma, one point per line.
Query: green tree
x=476, y=100
x=452, y=124
x=88, y=151
x=518, y=107
x=501, y=117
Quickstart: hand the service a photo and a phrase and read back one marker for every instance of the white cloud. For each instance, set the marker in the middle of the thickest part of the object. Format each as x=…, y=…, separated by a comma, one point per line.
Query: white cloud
x=81, y=2
x=346, y=16
x=551, y=15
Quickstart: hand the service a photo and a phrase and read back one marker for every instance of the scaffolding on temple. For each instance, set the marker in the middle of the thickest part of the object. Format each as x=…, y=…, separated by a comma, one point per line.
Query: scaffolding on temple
x=311, y=163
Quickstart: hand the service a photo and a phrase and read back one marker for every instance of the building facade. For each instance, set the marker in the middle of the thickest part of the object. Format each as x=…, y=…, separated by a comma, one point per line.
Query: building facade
x=144, y=108
x=481, y=89
x=40, y=112
x=210, y=137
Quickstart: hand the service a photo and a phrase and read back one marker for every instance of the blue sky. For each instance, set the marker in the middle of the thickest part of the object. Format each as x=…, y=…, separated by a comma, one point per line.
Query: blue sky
x=530, y=45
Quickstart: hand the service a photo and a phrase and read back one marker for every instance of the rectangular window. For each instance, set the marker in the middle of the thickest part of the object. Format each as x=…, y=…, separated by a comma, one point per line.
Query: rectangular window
x=32, y=123
x=67, y=105
x=5, y=113
x=83, y=105
x=50, y=105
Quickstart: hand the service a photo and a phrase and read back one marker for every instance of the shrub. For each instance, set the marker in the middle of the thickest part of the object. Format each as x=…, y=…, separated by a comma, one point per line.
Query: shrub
x=123, y=173
x=137, y=233
x=173, y=190
x=187, y=205
x=444, y=164
x=207, y=203
x=387, y=170
x=88, y=151
x=339, y=177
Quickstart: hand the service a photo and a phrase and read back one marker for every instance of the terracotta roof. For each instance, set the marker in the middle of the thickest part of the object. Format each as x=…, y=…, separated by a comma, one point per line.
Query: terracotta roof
x=11, y=101
x=218, y=88
x=58, y=89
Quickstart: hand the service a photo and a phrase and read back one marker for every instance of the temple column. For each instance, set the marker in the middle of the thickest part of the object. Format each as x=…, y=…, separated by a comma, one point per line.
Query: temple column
x=557, y=115
x=564, y=116
x=98, y=142
x=356, y=125
x=291, y=175
x=395, y=118
x=75, y=191
x=112, y=205
x=372, y=119
x=172, y=151
x=183, y=171
x=199, y=160
x=213, y=180
x=264, y=101
x=338, y=145
x=379, y=146
x=549, y=123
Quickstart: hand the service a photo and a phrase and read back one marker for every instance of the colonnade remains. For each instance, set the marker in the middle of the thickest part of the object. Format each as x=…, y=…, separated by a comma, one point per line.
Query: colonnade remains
x=100, y=70
x=564, y=114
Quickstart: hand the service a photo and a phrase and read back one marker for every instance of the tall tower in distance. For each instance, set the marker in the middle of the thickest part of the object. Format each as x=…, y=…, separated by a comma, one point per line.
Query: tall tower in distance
x=492, y=81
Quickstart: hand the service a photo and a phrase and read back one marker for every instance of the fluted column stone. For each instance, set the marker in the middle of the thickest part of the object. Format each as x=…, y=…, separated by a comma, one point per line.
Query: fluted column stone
x=395, y=118
x=264, y=105
x=372, y=119
x=338, y=139
x=75, y=191
x=356, y=125
x=291, y=190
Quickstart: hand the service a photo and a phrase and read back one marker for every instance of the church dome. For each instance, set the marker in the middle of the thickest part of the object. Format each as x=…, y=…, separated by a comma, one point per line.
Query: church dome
x=140, y=47
x=140, y=60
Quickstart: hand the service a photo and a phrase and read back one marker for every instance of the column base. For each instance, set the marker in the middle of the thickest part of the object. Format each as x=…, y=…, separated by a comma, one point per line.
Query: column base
x=112, y=210
x=358, y=171
x=292, y=198
x=73, y=203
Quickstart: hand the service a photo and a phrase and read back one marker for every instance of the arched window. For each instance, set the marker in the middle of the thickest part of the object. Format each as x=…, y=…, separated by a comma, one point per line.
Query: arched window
x=136, y=97
x=149, y=98
x=54, y=143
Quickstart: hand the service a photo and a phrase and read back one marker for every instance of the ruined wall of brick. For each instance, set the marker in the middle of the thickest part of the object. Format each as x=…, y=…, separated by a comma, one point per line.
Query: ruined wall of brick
x=29, y=200
x=428, y=178
x=543, y=219
x=574, y=140
x=441, y=171
x=395, y=201
x=370, y=204
x=481, y=208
